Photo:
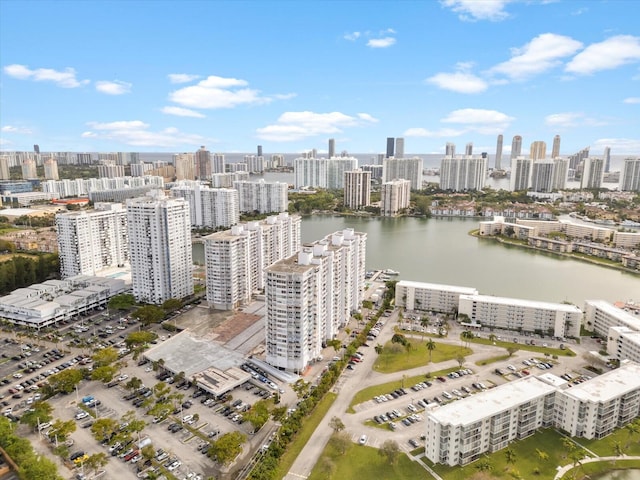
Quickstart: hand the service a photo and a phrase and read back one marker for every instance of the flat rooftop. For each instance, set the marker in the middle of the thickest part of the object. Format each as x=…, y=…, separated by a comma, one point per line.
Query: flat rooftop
x=521, y=302
x=491, y=402
x=436, y=286
x=187, y=353
x=627, y=319
x=609, y=385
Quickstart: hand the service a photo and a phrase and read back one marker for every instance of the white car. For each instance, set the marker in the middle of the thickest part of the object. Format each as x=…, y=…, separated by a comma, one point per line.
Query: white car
x=123, y=377
x=81, y=415
x=363, y=439
x=186, y=418
x=174, y=465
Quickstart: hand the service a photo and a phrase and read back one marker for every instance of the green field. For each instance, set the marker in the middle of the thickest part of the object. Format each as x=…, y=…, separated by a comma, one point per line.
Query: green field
x=389, y=361
x=362, y=462
x=521, y=346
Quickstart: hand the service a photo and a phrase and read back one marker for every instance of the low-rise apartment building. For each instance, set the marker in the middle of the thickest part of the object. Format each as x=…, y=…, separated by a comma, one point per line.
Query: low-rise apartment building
x=557, y=319
x=430, y=297
x=600, y=316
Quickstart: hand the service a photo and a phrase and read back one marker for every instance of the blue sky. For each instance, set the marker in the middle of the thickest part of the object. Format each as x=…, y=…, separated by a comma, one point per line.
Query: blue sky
x=171, y=76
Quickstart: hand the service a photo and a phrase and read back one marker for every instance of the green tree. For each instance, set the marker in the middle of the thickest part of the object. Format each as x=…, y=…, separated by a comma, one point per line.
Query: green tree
x=65, y=381
x=63, y=429
x=104, y=357
x=378, y=348
x=390, y=450
x=227, y=447
x=104, y=428
x=542, y=455
x=341, y=442
x=124, y=301
x=484, y=465
x=431, y=346
x=96, y=461
x=171, y=305
x=104, y=373
x=510, y=456
x=460, y=359
x=258, y=415
x=149, y=314
x=139, y=338
x=39, y=413
x=134, y=383
x=336, y=424
x=511, y=351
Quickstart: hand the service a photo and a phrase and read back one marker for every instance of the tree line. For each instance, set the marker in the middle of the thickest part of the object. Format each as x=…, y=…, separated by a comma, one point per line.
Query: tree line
x=20, y=271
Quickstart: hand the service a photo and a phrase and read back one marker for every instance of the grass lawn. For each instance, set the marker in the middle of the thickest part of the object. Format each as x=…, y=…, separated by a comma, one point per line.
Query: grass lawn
x=9, y=256
x=521, y=346
x=606, y=446
x=418, y=356
x=361, y=462
x=303, y=436
x=526, y=460
x=375, y=390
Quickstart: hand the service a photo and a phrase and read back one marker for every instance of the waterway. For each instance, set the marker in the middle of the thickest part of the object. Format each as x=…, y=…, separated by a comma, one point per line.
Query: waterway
x=442, y=251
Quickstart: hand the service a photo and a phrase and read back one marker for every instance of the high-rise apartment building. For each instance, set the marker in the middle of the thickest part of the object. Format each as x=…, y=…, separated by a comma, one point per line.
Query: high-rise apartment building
x=390, y=146
x=203, y=163
x=218, y=163
x=91, y=241
x=185, y=166
x=332, y=148
x=322, y=172
x=376, y=171
x=630, y=181
x=498, y=161
x=555, y=150
x=111, y=170
x=259, y=151
x=310, y=296
x=592, y=173
x=357, y=189
x=51, y=169
x=578, y=158
x=160, y=247
x=538, y=150
x=262, y=197
x=254, y=164
x=450, y=149
x=399, y=153
x=463, y=173
x=521, y=169
x=403, y=168
x=209, y=207
x=542, y=176
x=4, y=167
x=607, y=159
x=468, y=149
x=516, y=147
x=225, y=180
x=560, y=173
x=395, y=196
x=236, y=258
x=29, y=169
x=84, y=159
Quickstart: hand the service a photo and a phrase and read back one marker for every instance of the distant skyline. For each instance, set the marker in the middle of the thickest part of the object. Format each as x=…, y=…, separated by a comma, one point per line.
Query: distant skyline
x=158, y=76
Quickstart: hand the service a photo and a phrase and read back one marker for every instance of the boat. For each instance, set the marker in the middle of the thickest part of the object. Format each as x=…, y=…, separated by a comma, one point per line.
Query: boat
x=388, y=271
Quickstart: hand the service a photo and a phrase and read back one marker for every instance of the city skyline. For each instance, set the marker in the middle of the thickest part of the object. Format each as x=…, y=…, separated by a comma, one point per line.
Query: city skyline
x=535, y=69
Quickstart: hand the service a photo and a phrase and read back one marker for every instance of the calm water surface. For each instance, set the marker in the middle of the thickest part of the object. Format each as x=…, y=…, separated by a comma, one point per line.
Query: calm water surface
x=441, y=251
x=621, y=475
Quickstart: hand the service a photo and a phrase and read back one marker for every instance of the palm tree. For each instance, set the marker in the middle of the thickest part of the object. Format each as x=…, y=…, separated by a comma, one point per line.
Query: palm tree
x=431, y=346
x=492, y=337
x=510, y=456
x=378, y=348
x=632, y=429
x=483, y=465
x=542, y=455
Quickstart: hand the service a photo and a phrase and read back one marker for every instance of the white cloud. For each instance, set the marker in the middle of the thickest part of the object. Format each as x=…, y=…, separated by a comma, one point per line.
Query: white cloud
x=182, y=77
x=284, y=96
x=116, y=87
x=14, y=129
x=620, y=146
x=292, y=126
x=539, y=55
x=218, y=92
x=182, y=112
x=461, y=82
x=470, y=120
x=472, y=10
x=381, y=42
x=572, y=119
x=64, y=79
x=440, y=133
x=611, y=53
x=137, y=133
x=632, y=100
x=352, y=36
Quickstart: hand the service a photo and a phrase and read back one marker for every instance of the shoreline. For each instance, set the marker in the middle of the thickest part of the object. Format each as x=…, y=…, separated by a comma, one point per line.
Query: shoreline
x=593, y=261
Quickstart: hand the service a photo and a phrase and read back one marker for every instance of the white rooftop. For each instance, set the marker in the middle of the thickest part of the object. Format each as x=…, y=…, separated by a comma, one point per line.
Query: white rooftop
x=521, y=302
x=626, y=318
x=491, y=402
x=436, y=286
x=608, y=385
